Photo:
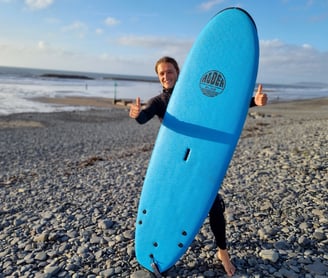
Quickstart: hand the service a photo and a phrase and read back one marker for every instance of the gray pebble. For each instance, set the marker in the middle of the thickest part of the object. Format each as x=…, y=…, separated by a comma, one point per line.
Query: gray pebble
x=270, y=255
x=41, y=256
x=70, y=191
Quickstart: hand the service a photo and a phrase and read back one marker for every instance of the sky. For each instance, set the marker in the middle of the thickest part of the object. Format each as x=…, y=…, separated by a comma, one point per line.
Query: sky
x=128, y=36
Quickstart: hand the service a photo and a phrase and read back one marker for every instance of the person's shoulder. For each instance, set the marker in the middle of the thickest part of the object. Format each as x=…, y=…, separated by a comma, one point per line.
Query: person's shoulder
x=156, y=99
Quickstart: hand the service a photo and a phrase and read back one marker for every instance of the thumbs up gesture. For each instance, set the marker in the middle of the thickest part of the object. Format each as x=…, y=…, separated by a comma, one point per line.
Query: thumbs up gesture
x=260, y=99
x=135, y=109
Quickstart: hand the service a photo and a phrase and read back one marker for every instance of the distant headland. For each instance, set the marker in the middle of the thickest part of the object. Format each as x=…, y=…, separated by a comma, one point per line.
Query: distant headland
x=108, y=77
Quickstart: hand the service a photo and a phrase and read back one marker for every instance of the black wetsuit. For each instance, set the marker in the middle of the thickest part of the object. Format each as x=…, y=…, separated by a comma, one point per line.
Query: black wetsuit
x=157, y=107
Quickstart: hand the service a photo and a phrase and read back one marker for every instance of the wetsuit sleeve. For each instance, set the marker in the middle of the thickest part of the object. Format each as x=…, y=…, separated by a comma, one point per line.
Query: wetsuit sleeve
x=149, y=112
x=142, y=118
x=156, y=107
x=252, y=104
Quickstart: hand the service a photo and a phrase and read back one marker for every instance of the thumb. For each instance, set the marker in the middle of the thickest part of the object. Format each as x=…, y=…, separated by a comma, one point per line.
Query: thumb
x=138, y=101
x=259, y=89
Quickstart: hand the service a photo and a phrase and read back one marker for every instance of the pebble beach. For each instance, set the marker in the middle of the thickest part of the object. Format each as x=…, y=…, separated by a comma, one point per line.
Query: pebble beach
x=70, y=185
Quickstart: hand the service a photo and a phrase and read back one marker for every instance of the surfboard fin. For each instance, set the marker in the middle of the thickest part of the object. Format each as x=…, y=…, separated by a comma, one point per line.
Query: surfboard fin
x=156, y=270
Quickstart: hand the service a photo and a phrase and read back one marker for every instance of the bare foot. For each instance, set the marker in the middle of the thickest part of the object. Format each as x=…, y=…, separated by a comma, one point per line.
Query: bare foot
x=223, y=256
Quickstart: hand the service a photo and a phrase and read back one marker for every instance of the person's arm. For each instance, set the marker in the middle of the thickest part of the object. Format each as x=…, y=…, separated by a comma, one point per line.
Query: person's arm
x=252, y=104
x=142, y=116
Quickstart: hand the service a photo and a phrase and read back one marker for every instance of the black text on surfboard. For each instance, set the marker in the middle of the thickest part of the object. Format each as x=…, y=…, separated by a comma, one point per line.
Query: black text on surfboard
x=212, y=83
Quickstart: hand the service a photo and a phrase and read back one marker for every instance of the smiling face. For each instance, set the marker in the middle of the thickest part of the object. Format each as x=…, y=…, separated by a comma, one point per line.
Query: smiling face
x=167, y=75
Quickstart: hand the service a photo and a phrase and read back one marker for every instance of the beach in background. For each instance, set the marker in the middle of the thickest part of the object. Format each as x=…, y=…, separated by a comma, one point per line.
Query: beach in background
x=32, y=90
x=72, y=168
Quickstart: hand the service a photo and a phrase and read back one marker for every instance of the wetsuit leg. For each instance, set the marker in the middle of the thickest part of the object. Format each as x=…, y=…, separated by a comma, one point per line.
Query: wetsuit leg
x=217, y=222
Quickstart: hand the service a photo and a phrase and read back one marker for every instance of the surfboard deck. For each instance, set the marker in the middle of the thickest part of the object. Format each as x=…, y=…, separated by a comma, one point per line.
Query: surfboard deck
x=197, y=138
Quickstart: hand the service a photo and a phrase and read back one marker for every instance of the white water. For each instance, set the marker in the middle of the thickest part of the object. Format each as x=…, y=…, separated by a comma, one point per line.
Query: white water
x=20, y=87
x=18, y=95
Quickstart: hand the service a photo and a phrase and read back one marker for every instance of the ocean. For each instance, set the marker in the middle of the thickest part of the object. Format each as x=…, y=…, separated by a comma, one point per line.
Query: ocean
x=19, y=87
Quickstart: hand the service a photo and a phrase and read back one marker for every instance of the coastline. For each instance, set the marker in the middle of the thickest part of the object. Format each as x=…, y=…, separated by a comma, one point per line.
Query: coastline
x=107, y=102
x=93, y=103
x=70, y=182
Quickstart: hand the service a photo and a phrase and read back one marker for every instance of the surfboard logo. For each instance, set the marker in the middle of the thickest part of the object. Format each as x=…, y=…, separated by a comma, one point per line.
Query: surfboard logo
x=212, y=83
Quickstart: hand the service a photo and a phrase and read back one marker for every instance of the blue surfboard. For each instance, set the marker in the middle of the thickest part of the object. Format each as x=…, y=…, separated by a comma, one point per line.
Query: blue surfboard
x=197, y=138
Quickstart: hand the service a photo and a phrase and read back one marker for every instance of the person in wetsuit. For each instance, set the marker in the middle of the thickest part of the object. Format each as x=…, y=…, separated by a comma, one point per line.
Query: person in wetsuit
x=167, y=70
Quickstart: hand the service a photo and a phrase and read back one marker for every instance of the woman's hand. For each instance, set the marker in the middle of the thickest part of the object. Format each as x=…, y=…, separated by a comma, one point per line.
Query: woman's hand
x=135, y=109
x=260, y=99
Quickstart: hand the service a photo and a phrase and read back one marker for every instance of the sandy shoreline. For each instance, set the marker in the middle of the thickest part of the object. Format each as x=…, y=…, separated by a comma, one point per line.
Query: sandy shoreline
x=70, y=182
x=108, y=102
x=96, y=102
x=316, y=106
x=296, y=107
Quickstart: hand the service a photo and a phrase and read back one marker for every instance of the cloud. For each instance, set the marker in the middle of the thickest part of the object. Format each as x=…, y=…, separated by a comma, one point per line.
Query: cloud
x=147, y=49
x=318, y=17
x=77, y=27
x=38, y=4
x=153, y=42
x=206, y=6
x=52, y=20
x=99, y=31
x=42, y=45
x=111, y=21
x=38, y=55
x=281, y=62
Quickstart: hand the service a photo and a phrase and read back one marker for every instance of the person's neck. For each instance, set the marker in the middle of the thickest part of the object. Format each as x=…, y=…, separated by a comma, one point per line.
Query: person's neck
x=169, y=90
